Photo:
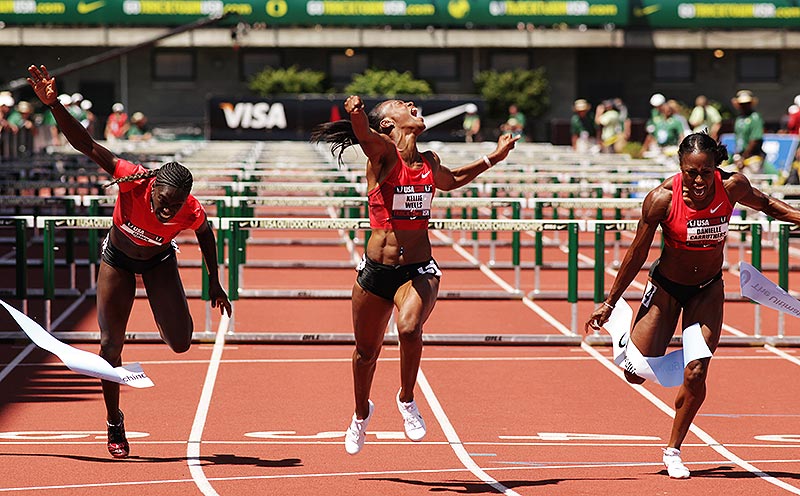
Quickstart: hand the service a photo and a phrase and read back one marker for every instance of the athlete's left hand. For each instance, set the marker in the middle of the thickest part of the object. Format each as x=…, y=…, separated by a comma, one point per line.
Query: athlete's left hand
x=505, y=144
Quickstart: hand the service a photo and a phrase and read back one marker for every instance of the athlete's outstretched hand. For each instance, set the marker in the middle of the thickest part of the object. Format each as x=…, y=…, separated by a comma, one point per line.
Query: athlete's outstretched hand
x=43, y=84
x=505, y=144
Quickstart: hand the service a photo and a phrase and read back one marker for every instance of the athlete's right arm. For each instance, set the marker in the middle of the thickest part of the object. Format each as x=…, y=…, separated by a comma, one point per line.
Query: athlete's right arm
x=44, y=86
x=654, y=209
x=374, y=144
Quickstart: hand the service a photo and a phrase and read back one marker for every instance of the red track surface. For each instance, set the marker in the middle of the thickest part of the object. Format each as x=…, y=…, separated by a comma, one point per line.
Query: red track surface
x=538, y=420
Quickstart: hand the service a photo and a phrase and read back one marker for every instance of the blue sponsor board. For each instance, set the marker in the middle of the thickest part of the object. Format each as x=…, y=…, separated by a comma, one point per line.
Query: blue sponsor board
x=779, y=148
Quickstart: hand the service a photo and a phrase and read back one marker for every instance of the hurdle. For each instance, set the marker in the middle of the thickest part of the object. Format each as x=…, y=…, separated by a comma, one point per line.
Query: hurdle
x=573, y=227
x=236, y=262
x=49, y=224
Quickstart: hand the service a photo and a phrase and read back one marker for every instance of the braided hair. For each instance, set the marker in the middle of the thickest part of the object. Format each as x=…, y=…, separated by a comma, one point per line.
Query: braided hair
x=703, y=143
x=170, y=174
x=340, y=133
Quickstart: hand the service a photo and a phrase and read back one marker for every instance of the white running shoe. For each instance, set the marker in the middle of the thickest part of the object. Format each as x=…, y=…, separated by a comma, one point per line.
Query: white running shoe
x=412, y=420
x=675, y=467
x=357, y=432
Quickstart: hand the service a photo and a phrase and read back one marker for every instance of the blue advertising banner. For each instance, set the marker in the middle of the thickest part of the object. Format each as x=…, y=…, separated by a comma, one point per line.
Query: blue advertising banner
x=780, y=148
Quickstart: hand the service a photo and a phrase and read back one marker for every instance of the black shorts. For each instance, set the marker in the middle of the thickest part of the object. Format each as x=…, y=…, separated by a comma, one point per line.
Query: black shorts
x=114, y=257
x=681, y=292
x=385, y=280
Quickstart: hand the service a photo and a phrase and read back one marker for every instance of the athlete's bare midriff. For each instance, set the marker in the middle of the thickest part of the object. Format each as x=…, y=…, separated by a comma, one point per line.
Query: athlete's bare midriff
x=123, y=243
x=399, y=247
x=691, y=267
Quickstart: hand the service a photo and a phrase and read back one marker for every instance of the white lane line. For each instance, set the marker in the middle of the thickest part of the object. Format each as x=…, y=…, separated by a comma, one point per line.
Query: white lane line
x=427, y=359
x=703, y=435
x=28, y=349
x=503, y=284
x=453, y=439
x=196, y=435
x=532, y=466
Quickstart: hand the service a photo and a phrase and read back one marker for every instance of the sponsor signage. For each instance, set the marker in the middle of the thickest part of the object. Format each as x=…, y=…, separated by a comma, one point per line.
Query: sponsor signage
x=400, y=13
x=731, y=14
x=293, y=118
x=779, y=148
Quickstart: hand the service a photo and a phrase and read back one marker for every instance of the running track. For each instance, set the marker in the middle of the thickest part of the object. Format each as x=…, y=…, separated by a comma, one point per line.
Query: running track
x=268, y=419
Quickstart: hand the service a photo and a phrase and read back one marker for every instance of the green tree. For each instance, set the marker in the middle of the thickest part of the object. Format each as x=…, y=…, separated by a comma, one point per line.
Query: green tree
x=375, y=82
x=529, y=90
x=289, y=80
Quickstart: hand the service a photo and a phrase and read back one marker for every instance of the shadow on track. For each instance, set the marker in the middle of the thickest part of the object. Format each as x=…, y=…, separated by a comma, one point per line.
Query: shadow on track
x=208, y=460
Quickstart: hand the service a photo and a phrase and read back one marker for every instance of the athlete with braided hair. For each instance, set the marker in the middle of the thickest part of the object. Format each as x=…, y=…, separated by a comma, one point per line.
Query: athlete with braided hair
x=153, y=206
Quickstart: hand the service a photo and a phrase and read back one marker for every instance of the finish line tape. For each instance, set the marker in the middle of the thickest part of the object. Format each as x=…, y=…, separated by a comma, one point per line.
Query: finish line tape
x=757, y=287
x=666, y=370
x=80, y=361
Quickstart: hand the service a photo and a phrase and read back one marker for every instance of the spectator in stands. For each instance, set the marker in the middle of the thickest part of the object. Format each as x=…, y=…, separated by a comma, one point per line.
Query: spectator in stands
x=397, y=270
x=793, y=119
x=664, y=132
x=117, y=124
x=471, y=124
x=515, y=124
x=76, y=109
x=152, y=208
x=678, y=113
x=8, y=131
x=139, y=130
x=23, y=120
x=749, y=132
x=581, y=126
x=705, y=116
x=612, y=127
x=656, y=101
x=692, y=208
x=90, y=119
x=6, y=106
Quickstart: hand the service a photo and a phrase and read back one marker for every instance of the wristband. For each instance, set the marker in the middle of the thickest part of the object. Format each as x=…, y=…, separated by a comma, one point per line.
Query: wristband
x=488, y=162
x=608, y=305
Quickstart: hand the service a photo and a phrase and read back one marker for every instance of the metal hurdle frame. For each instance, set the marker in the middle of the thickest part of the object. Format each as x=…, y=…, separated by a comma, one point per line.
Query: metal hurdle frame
x=600, y=227
x=236, y=225
x=49, y=224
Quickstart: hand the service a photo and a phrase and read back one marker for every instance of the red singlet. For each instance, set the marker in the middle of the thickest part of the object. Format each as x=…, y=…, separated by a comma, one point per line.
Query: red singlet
x=689, y=229
x=403, y=200
x=133, y=212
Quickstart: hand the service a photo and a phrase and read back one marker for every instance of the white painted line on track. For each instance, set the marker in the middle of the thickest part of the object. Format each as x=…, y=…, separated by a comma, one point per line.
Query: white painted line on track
x=196, y=435
x=532, y=466
x=485, y=269
x=453, y=439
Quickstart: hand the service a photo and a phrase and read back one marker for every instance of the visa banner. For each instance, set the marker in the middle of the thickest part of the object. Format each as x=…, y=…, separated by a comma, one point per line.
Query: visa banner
x=293, y=118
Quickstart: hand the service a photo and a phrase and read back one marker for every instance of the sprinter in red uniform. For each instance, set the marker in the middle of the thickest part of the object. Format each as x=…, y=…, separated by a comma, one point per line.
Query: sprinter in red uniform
x=152, y=208
x=693, y=208
x=397, y=269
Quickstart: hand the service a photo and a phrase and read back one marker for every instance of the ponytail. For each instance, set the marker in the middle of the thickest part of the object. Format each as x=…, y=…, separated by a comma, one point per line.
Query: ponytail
x=340, y=133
